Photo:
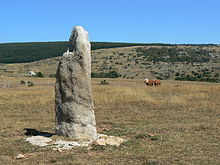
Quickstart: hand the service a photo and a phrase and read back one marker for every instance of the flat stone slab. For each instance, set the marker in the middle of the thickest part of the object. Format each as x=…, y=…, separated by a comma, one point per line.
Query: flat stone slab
x=65, y=145
x=109, y=140
x=39, y=140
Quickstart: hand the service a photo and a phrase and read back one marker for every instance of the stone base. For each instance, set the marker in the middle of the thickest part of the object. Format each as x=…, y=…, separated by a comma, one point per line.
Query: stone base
x=65, y=145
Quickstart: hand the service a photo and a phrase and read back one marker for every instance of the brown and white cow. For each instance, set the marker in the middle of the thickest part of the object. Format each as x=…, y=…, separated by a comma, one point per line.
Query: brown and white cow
x=149, y=82
x=157, y=82
x=152, y=82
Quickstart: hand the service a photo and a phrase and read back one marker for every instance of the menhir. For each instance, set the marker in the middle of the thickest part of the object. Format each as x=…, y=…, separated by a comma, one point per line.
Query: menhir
x=74, y=108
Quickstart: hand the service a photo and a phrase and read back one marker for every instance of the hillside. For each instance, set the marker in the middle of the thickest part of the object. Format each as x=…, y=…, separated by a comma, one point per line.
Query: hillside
x=35, y=51
x=180, y=62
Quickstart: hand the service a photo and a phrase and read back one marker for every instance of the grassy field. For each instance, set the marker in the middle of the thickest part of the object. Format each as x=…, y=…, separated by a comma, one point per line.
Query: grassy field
x=182, y=119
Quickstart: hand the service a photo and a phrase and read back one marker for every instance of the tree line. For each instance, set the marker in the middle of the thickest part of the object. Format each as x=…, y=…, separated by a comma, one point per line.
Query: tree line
x=34, y=51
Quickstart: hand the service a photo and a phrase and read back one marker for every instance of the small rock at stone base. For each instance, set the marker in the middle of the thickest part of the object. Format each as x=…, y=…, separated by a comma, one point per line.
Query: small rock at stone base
x=109, y=140
x=20, y=156
x=39, y=140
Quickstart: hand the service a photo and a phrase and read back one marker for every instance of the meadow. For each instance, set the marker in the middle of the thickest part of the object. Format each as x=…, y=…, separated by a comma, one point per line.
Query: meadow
x=177, y=123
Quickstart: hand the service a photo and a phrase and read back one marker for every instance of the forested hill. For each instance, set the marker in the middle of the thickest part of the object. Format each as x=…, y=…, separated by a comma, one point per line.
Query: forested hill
x=34, y=51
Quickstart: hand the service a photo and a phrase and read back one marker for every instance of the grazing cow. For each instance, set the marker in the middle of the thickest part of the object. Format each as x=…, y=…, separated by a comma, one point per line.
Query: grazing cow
x=149, y=82
x=157, y=82
x=152, y=82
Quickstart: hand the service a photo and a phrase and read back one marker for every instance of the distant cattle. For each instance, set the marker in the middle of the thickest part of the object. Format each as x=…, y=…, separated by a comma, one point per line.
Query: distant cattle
x=157, y=82
x=149, y=82
x=152, y=82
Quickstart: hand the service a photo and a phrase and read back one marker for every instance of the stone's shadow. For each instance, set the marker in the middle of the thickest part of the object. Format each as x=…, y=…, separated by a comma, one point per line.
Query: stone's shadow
x=34, y=132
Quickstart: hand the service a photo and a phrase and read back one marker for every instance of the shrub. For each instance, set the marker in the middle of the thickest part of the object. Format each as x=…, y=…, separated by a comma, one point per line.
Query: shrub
x=191, y=78
x=30, y=84
x=104, y=82
x=39, y=74
x=177, y=74
x=111, y=74
x=141, y=136
x=22, y=82
x=160, y=78
x=216, y=74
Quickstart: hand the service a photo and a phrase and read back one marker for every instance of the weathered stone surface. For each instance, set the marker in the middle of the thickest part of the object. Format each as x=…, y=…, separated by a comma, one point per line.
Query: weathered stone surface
x=20, y=156
x=60, y=145
x=39, y=140
x=75, y=116
x=109, y=140
x=65, y=145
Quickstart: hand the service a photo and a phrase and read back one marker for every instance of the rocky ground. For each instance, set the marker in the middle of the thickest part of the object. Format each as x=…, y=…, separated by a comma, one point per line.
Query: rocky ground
x=102, y=140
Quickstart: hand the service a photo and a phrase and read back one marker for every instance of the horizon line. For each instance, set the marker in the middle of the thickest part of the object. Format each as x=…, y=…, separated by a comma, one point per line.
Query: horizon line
x=146, y=43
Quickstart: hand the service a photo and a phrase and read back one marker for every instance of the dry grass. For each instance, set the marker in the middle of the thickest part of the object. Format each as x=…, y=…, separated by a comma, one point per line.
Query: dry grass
x=185, y=119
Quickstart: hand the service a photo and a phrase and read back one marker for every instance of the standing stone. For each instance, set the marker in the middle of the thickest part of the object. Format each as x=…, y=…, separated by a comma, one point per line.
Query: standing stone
x=74, y=108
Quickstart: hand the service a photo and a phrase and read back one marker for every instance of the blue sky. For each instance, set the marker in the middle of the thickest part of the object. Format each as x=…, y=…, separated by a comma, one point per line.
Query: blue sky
x=145, y=21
